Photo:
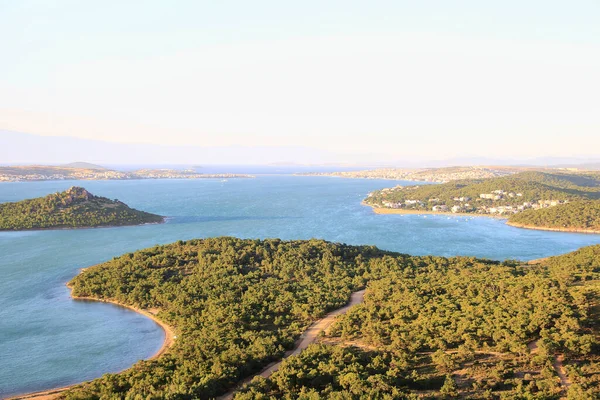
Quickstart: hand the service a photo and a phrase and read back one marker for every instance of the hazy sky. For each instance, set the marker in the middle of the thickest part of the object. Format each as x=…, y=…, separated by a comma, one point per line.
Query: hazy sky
x=406, y=79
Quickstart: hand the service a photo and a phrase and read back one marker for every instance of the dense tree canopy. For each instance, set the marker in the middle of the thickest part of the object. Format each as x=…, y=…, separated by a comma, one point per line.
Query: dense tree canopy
x=429, y=325
x=235, y=305
x=73, y=208
x=577, y=215
x=442, y=328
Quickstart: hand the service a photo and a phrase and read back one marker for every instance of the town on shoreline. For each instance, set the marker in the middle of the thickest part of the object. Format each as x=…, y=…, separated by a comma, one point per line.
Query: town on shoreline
x=85, y=171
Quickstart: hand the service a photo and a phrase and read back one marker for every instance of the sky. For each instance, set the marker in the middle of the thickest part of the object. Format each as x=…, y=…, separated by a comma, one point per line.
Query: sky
x=367, y=81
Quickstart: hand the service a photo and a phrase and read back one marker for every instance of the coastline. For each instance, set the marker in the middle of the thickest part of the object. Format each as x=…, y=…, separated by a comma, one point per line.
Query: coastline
x=381, y=210
x=164, y=220
x=149, y=313
x=50, y=394
x=542, y=228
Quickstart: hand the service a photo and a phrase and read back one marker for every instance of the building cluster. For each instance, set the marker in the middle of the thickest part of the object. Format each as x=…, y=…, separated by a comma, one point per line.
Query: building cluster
x=403, y=204
x=521, y=207
x=76, y=175
x=499, y=195
x=465, y=204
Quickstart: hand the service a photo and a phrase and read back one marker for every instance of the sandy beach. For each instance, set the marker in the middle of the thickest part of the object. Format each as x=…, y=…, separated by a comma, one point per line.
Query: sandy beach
x=540, y=228
x=150, y=313
x=382, y=210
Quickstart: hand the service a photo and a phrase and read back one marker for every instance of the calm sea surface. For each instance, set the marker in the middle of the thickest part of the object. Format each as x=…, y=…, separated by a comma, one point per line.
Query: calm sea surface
x=48, y=340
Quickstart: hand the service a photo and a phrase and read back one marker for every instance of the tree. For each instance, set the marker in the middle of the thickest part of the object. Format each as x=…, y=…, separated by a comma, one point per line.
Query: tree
x=449, y=387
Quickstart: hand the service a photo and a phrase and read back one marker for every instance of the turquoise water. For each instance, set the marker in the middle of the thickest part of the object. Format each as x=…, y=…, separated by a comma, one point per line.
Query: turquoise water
x=47, y=340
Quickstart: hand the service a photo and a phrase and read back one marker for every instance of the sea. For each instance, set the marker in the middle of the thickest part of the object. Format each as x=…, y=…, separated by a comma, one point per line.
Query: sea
x=48, y=340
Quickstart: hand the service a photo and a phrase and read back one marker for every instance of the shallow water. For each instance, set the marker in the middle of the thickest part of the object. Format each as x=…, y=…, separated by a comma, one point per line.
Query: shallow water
x=48, y=340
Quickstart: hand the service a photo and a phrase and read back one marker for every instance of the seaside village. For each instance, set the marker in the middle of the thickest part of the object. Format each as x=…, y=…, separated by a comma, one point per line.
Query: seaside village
x=465, y=204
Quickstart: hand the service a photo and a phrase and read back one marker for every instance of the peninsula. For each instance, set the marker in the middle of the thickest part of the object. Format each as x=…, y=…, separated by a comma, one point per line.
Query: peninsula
x=73, y=208
x=537, y=200
x=429, y=326
x=578, y=216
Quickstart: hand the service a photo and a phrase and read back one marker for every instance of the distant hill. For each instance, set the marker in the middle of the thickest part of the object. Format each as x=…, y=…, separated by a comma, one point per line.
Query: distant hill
x=73, y=208
x=83, y=165
x=445, y=174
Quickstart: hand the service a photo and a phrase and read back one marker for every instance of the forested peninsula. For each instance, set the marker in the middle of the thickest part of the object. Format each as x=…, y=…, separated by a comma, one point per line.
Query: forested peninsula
x=578, y=216
x=73, y=208
x=430, y=326
x=537, y=200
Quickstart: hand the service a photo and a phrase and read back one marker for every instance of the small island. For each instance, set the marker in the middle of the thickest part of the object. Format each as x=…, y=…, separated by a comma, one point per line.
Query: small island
x=536, y=200
x=73, y=208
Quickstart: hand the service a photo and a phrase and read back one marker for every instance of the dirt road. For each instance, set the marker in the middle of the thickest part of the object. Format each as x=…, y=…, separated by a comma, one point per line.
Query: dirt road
x=308, y=337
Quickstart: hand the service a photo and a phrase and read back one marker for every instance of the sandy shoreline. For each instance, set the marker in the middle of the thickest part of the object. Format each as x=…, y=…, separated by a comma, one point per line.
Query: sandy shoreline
x=540, y=228
x=150, y=313
x=50, y=394
x=382, y=210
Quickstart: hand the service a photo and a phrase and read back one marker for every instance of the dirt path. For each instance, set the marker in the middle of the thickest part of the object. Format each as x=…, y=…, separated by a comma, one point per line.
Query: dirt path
x=308, y=337
x=558, y=365
x=560, y=370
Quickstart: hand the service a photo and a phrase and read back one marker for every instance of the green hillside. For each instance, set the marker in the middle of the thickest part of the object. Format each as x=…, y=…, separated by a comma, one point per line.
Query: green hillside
x=430, y=326
x=440, y=328
x=73, y=208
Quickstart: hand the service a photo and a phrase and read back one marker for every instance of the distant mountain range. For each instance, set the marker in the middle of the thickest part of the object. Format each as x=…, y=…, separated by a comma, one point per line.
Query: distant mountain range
x=24, y=148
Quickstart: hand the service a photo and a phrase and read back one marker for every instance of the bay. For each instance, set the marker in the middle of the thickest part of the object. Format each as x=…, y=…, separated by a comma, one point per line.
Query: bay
x=48, y=340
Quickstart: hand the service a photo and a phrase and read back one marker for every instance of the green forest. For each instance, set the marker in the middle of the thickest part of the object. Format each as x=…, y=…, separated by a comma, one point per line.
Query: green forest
x=430, y=327
x=73, y=208
x=576, y=215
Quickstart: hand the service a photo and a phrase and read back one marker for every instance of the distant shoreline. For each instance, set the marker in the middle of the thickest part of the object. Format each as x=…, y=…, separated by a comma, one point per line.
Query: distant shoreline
x=50, y=394
x=327, y=175
x=127, y=179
